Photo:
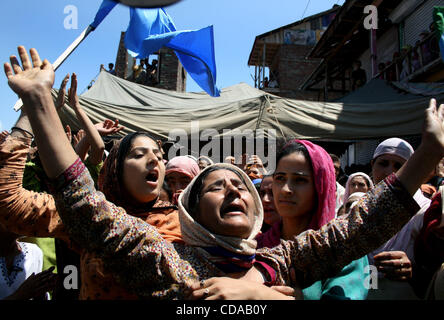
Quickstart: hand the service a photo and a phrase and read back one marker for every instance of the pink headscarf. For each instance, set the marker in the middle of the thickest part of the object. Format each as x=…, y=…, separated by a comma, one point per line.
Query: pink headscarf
x=182, y=164
x=325, y=185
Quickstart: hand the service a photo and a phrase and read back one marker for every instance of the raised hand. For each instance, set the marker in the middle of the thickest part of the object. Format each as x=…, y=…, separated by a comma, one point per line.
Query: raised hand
x=31, y=78
x=68, y=133
x=107, y=127
x=78, y=137
x=73, y=99
x=60, y=102
x=3, y=135
x=433, y=129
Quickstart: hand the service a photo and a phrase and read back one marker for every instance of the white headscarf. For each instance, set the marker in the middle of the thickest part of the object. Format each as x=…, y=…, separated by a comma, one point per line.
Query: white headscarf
x=395, y=146
x=347, y=185
x=194, y=234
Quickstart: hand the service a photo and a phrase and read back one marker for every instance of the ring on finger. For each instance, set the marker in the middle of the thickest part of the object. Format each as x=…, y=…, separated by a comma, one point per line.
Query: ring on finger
x=206, y=292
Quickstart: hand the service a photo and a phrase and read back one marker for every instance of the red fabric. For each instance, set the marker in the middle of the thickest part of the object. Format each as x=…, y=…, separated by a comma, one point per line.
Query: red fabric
x=270, y=272
x=429, y=249
x=271, y=238
x=182, y=164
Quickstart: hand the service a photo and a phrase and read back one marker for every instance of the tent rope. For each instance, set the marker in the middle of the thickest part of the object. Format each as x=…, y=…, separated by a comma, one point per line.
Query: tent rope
x=90, y=84
x=272, y=109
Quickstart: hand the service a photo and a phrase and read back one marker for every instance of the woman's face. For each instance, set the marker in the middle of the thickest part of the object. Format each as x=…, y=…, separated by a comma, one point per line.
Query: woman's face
x=226, y=206
x=177, y=181
x=385, y=165
x=266, y=194
x=143, y=170
x=358, y=184
x=293, y=186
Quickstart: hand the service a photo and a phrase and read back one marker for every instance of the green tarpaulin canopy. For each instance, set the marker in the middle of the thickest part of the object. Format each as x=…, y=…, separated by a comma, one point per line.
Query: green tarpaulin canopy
x=377, y=110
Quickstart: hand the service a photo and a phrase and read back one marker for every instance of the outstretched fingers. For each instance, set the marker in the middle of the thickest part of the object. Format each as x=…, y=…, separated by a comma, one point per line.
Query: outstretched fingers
x=26, y=63
x=74, y=84
x=36, y=61
x=441, y=112
x=64, y=82
x=8, y=70
x=15, y=64
x=46, y=65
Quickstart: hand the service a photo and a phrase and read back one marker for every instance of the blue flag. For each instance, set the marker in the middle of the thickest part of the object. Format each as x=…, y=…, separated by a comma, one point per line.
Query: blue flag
x=151, y=29
x=105, y=8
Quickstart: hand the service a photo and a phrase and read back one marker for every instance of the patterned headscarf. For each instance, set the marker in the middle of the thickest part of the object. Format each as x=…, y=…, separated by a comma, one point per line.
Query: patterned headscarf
x=217, y=248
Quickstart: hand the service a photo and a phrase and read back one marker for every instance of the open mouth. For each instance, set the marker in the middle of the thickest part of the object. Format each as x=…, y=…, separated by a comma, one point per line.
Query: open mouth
x=152, y=176
x=233, y=208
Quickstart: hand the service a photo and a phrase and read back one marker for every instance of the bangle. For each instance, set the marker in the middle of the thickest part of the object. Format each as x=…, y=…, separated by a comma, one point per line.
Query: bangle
x=23, y=130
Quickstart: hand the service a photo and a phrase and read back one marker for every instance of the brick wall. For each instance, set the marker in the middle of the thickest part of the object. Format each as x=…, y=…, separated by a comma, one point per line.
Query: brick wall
x=172, y=76
x=121, y=59
x=293, y=67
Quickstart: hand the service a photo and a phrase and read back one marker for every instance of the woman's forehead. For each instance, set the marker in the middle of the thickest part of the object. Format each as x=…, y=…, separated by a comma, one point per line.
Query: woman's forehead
x=358, y=178
x=294, y=162
x=220, y=175
x=144, y=141
x=266, y=182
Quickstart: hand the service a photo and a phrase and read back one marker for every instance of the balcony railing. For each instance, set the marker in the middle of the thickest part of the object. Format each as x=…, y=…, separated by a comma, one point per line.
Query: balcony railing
x=413, y=61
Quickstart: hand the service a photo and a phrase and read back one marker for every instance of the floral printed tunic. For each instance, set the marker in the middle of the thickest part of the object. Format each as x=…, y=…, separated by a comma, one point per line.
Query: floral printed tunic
x=146, y=264
x=34, y=214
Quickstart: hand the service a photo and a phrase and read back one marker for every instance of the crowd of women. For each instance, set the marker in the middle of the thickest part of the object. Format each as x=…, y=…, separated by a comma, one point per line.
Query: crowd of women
x=136, y=226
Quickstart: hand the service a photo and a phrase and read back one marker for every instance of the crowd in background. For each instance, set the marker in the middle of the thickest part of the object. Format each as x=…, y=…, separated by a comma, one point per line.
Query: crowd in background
x=136, y=225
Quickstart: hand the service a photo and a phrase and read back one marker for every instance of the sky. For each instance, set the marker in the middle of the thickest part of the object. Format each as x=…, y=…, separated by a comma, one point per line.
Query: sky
x=43, y=25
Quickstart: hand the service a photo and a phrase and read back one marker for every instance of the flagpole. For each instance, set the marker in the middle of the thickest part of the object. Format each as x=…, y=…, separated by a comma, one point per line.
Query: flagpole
x=18, y=105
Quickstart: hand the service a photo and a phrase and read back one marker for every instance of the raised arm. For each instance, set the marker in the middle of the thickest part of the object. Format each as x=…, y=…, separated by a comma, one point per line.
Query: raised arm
x=133, y=249
x=33, y=83
x=379, y=215
x=92, y=135
x=22, y=211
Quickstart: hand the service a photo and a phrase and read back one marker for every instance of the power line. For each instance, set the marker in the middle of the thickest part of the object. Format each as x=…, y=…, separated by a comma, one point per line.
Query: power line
x=305, y=9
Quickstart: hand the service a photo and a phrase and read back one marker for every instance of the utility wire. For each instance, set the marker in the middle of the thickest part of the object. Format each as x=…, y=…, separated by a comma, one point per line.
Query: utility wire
x=305, y=9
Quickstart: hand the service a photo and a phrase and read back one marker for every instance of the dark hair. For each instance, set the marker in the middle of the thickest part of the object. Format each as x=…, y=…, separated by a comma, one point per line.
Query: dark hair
x=334, y=157
x=293, y=147
x=196, y=189
x=124, y=148
x=167, y=189
x=263, y=178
